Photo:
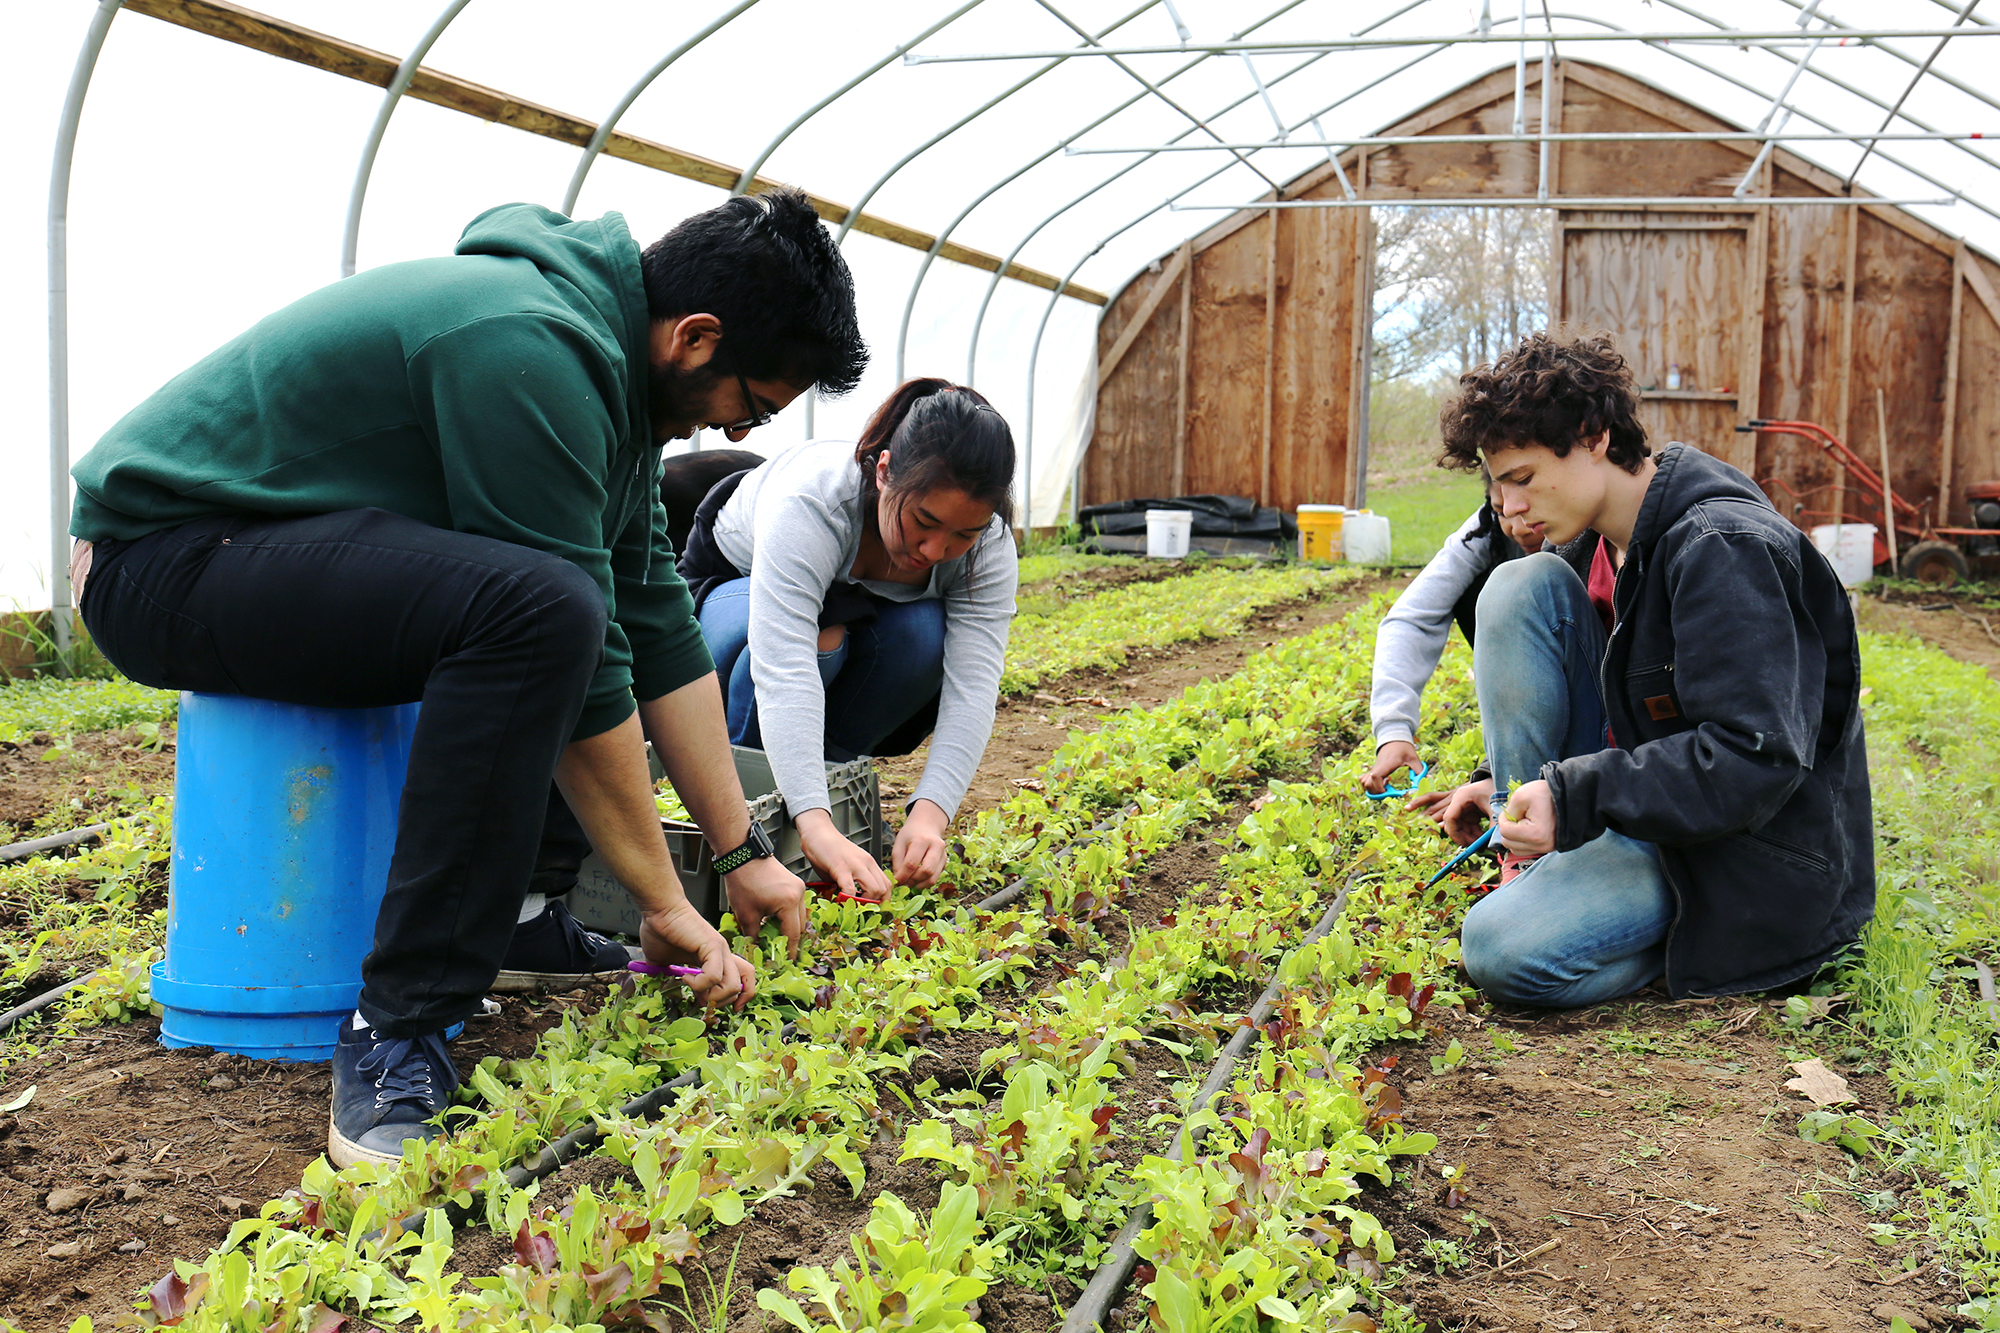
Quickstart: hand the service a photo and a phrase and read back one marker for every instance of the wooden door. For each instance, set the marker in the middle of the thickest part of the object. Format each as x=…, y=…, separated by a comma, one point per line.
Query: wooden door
x=1673, y=290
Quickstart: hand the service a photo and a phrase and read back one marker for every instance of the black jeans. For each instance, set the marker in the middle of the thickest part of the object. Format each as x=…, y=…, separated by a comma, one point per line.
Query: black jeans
x=363, y=609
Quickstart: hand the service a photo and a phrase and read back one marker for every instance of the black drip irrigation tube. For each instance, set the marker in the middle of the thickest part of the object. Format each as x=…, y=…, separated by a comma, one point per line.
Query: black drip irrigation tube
x=1107, y=1285
x=21, y=851
x=40, y=1002
x=1006, y=896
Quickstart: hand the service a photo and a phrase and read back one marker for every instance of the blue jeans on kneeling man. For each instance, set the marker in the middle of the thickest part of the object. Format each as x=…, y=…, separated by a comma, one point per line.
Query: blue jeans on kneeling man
x=1587, y=925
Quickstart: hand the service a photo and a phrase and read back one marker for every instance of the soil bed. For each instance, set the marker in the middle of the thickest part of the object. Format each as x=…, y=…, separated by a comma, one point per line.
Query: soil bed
x=84, y=777
x=1655, y=1143
x=816, y=1227
x=197, y=1138
x=132, y=1154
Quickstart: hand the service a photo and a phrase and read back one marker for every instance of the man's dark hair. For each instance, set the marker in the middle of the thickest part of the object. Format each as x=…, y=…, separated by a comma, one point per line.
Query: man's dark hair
x=1558, y=392
x=765, y=266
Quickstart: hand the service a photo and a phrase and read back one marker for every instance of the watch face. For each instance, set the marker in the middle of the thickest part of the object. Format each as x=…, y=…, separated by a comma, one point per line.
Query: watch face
x=761, y=840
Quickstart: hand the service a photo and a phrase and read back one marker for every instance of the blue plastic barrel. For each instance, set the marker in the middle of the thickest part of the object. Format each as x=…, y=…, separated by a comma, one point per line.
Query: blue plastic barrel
x=284, y=822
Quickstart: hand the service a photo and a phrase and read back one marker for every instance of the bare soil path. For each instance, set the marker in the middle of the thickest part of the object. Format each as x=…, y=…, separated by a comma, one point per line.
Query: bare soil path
x=1968, y=632
x=1655, y=1144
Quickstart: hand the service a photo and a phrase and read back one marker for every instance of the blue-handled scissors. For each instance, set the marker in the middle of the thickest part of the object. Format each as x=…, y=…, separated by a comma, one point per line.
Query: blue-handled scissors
x=1388, y=790
x=1453, y=864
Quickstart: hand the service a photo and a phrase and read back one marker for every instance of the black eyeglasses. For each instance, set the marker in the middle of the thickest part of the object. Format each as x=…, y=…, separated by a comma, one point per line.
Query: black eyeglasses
x=758, y=415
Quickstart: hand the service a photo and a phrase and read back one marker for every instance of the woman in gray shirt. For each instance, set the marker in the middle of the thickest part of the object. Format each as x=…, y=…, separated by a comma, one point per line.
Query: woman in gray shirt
x=856, y=598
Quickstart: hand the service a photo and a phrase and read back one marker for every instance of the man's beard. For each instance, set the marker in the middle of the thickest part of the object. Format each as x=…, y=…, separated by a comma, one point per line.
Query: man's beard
x=674, y=396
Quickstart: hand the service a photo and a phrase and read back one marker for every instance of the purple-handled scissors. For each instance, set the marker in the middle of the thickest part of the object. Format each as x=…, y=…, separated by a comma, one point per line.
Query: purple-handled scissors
x=661, y=969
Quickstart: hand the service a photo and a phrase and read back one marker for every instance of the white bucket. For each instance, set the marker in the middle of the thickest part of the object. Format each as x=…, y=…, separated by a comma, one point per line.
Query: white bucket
x=1167, y=533
x=1849, y=548
x=1364, y=538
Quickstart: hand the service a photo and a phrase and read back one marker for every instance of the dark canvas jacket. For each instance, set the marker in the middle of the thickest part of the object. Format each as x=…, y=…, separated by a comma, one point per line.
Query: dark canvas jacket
x=1732, y=683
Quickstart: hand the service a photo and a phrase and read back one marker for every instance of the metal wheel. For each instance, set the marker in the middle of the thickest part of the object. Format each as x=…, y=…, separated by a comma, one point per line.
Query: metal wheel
x=1940, y=564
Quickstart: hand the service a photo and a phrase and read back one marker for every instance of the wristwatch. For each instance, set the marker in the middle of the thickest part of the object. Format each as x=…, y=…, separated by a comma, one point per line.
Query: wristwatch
x=759, y=844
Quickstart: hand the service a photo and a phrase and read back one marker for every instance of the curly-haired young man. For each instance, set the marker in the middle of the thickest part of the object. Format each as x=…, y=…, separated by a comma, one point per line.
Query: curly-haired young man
x=1680, y=775
x=437, y=480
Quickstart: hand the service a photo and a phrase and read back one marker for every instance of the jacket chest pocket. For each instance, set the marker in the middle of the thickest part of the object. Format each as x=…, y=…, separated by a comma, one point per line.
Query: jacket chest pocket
x=1653, y=699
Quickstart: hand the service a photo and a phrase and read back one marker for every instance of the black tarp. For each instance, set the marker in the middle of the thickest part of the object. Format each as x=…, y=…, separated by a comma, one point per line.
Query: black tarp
x=1223, y=525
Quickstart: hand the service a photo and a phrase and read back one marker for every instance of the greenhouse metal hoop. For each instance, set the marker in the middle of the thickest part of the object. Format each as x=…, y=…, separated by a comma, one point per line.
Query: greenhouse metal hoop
x=1778, y=42
x=1543, y=200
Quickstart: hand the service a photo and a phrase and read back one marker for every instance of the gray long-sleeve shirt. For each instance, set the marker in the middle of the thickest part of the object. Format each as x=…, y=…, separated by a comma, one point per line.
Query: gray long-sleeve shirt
x=793, y=527
x=1412, y=635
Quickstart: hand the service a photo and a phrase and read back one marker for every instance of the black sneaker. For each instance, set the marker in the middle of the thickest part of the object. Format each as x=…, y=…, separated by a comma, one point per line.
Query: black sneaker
x=385, y=1090
x=553, y=952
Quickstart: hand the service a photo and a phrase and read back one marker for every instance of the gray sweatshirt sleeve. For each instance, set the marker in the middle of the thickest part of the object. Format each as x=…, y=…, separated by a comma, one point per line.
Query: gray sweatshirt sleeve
x=978, y=611
x=799, y=547
x=1412, y=635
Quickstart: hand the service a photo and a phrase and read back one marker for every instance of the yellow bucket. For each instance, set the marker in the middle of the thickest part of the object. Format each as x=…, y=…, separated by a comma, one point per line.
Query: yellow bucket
x=1319, y=531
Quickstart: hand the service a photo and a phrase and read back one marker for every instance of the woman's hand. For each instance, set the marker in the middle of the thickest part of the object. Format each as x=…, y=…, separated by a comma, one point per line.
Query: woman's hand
x=850, y=869
x=919, y=856
x=1458, y=813
x=678, y=934
x=1389, y=756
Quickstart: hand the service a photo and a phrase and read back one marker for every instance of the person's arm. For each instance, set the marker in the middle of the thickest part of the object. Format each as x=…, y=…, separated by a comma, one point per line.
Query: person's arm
x=691, y=738
x=979, y=612
x=1408, y=644
x=1750, y=671
x=652, y=605
x=605, y=780
x=533, y=450
x=799, y=552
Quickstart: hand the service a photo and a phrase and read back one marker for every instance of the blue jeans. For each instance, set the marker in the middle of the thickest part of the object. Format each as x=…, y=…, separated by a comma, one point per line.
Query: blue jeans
x=1587, y=925
x=878, y=677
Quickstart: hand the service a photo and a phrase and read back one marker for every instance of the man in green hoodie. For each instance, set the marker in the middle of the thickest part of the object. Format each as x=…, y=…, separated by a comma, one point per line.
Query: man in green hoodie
x=437, y=480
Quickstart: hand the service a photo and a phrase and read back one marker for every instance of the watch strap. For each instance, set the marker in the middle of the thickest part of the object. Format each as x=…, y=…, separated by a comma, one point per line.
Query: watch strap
x=756, y=845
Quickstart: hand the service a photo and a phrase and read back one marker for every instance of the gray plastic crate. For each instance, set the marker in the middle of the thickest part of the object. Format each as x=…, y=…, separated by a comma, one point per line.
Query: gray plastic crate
x=600, y=901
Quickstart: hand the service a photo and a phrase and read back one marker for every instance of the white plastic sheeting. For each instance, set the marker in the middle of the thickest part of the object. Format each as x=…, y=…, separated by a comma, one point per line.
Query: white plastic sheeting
x=211, y=181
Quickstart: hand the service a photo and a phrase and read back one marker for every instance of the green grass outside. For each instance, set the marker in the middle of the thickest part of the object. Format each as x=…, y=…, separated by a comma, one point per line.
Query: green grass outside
x=1424, y=512
x=65, y=707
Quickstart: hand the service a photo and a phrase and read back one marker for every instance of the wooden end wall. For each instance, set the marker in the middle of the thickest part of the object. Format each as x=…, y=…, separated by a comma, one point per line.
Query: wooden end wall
x=1233, y=363
x=1241, y=380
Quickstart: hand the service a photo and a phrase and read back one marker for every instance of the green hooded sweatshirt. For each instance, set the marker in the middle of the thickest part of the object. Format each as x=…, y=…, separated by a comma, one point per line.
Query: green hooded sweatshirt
x=501, y=392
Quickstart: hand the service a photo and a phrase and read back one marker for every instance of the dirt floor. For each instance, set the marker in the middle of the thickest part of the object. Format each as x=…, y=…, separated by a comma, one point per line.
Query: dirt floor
x=51, y=788
x=1654, y=1143
x=1637, y=1166
x=1967, y=631
x=92, y=1212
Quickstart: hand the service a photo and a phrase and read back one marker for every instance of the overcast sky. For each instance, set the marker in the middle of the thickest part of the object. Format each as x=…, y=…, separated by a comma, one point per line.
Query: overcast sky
x=211, y=182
